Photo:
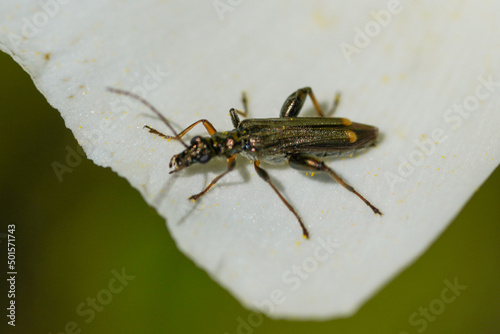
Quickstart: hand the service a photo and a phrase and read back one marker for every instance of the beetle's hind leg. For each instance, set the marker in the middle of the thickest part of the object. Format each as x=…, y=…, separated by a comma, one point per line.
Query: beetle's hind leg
x=311, y=163
x=293, y=104
x=263, y=174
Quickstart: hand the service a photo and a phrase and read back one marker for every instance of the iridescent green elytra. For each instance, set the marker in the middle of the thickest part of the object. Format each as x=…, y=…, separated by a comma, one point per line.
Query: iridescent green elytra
x=298, y=141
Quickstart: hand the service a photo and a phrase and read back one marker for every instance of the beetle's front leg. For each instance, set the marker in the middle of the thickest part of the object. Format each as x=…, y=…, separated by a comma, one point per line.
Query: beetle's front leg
x=311, y=163
x=231, y=163
x=210, y=129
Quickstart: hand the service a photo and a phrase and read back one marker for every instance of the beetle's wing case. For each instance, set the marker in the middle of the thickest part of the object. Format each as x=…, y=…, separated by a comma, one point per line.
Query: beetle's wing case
x=271, y=139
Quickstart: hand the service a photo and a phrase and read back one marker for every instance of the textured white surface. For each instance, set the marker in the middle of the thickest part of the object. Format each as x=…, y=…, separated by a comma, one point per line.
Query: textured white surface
x=192, y=62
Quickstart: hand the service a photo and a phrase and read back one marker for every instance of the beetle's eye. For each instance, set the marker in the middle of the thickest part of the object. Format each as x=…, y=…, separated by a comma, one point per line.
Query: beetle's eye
x=204, y=158
x=195, y=140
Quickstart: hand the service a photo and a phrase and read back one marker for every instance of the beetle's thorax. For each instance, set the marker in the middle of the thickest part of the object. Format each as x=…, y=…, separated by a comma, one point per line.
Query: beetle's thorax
x=227, y=143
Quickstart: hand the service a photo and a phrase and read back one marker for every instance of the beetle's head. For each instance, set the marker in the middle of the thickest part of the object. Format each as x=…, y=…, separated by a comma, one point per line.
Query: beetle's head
x=200, y=150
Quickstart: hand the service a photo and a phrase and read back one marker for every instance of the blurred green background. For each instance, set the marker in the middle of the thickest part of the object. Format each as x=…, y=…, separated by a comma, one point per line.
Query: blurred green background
x=72, y=234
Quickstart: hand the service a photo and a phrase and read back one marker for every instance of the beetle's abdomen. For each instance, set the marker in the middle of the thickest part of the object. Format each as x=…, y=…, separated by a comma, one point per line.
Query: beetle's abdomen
x=272, y=139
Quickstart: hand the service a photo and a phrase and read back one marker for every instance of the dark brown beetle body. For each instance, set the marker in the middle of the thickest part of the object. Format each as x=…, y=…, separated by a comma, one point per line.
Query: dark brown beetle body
x=298, y=141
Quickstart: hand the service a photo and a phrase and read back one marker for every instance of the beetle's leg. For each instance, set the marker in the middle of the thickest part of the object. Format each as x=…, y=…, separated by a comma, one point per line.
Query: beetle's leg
x=156, y=132
x=244, y=101
x=308, y=162
x=293, y=104
x=231, y=163
x=235, y=112
x=336, y=102
x=234, y=117
x=263, y=174
x=210, y=129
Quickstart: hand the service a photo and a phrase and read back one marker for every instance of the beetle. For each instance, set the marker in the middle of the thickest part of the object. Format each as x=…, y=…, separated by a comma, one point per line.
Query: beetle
x=299, y=141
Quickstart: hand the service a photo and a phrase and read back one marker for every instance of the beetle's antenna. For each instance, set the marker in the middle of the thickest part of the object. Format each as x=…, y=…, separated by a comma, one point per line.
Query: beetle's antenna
x=150, y=106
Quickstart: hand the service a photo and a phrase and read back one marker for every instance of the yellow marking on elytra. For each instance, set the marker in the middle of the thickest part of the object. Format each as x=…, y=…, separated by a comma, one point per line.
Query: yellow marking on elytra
x=346, y=121
x=352, y=136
